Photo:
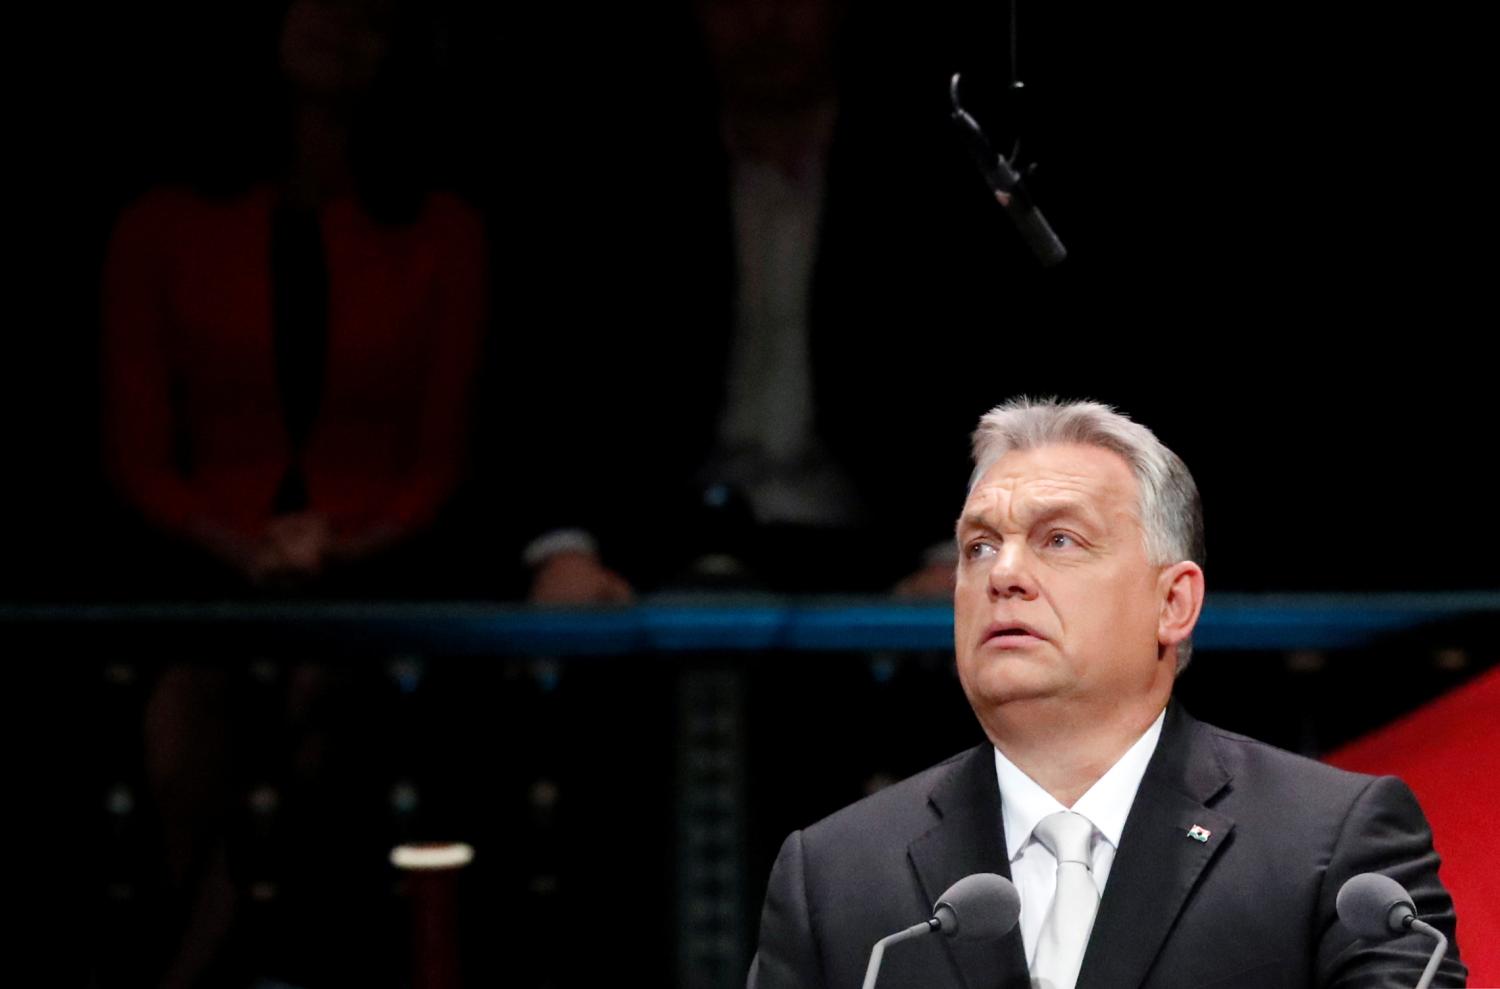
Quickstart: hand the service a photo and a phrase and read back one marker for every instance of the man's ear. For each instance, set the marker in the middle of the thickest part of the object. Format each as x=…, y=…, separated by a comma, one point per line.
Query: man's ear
x=1181, y=589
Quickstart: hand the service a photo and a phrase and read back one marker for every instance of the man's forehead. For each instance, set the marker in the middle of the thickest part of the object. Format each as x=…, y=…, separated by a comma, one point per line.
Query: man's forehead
x=1058, y=476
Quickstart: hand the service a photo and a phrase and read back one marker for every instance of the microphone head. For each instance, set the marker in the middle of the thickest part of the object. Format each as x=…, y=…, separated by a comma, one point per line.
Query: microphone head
x=977, y=907
x=1374, y=907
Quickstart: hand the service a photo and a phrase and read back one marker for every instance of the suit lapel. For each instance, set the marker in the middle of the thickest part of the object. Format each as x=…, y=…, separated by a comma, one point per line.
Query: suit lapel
x=1161, y=856
x=969, y=838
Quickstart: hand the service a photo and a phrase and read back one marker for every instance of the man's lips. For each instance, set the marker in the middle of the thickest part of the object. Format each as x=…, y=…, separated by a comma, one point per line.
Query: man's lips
x=1001, y=633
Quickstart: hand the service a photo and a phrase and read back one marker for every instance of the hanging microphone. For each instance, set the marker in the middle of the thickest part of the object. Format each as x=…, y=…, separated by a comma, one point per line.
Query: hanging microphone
x=1376, y=908
x=983, y=905
x=1010, y=192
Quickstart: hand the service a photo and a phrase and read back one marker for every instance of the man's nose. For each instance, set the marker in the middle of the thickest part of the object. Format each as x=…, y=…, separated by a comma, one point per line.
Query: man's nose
x=1011, y=575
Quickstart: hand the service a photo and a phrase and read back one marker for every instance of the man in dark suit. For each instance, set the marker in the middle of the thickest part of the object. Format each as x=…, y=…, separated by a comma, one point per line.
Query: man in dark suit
x=1205, y=858
x=801, y=228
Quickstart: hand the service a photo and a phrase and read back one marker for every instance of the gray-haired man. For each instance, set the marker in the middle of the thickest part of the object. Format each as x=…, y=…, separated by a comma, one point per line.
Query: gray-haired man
x=1197, y=857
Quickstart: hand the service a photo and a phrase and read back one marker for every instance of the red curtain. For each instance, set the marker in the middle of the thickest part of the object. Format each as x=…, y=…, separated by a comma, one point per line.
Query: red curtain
x=1448, y=752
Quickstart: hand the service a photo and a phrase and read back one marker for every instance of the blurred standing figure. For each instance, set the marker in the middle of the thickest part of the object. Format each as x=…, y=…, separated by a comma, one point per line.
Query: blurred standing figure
x=800, y=242
x=290, y=343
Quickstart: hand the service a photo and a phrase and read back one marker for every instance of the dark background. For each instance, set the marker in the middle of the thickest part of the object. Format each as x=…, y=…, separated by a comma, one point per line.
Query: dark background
x=1276, y=221
x=1280, y=227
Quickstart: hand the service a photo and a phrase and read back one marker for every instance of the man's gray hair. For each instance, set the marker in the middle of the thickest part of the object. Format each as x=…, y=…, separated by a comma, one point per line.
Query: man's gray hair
x=1170, y=512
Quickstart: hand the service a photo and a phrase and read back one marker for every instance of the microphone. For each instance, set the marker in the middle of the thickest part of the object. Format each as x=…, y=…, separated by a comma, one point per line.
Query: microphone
x=978, y=907
x=983, y=905
x=1376, y=907
x=1010, y=192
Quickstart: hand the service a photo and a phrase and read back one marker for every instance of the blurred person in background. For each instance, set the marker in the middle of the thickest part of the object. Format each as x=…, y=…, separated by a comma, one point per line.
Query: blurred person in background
x=794, y=234
x=290, y=340
x=290, y=344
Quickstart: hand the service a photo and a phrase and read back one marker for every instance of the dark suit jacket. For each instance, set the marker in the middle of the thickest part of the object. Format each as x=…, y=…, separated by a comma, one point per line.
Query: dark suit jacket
x=1253, y=906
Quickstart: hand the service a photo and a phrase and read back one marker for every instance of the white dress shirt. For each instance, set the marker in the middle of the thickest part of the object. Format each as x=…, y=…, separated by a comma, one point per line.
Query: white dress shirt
x=1107, y=803
x=768, y=448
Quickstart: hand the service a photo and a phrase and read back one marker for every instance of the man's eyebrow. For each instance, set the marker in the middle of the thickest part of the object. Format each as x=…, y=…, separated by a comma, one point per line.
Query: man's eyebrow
x=972, y=520
x=1065, y=507
x=1049, y=511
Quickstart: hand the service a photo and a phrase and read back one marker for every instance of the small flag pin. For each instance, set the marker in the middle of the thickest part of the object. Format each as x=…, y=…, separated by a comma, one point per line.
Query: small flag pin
x=1198, y=833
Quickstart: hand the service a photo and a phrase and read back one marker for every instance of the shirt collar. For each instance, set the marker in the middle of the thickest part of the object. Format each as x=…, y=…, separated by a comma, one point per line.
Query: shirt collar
x=1023, y=802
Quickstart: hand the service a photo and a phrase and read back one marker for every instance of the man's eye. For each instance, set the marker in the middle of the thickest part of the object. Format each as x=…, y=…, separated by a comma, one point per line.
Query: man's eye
x=978, y=550
x=1061, y=540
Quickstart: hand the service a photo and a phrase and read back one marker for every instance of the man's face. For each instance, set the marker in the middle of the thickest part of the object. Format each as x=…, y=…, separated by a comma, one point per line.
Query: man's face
x=333, y=48
x=770, y=54
x=1055, y=596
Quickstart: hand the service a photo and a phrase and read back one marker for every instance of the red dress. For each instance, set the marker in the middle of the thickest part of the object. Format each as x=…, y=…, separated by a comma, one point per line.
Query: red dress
x=194, y=430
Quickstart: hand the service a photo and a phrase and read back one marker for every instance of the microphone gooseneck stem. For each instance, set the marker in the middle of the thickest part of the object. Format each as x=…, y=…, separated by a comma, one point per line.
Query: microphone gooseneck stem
x=1437, y=953
x=872, y=971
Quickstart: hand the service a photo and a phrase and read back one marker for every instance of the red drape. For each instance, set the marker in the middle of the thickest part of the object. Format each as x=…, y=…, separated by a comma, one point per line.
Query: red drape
x=1448, y=752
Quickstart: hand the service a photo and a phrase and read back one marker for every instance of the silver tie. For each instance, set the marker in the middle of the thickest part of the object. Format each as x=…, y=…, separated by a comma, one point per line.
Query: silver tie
x=1065, y=932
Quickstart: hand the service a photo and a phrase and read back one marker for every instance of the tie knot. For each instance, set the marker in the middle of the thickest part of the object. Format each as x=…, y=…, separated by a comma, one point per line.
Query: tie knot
x=1066, y=836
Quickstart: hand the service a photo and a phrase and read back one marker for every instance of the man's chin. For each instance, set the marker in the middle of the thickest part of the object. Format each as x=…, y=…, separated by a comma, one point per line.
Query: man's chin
x=996, y=690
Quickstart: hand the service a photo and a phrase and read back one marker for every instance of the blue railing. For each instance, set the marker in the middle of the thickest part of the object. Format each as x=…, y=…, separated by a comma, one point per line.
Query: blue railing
x=718, y=624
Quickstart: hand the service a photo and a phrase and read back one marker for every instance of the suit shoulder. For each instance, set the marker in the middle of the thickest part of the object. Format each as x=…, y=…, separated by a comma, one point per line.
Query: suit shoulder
x=449, y=212
x=1250, y=760
x=898, y=808
x=162, y=212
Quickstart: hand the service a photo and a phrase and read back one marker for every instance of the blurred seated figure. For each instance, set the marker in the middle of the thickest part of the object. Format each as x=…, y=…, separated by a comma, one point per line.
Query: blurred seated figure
x=802, y=243
x=289, y=346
